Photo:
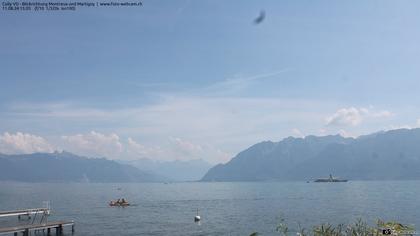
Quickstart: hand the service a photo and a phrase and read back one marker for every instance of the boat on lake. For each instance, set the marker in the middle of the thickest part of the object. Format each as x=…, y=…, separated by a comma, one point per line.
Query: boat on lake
x=329, y=180
x=119, y=202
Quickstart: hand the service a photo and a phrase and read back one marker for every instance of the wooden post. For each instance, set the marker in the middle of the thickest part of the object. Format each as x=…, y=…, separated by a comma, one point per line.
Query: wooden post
x=72, y=228
x=49, y=231
x=60, y=227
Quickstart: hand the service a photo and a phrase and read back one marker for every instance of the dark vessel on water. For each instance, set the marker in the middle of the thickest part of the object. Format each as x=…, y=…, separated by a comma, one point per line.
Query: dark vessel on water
x=329, y=180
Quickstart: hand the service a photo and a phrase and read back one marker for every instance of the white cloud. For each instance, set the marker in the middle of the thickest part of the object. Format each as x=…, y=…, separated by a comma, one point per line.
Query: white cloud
x=58, y=110
x=393, y=127
x=345, y=116
x=352, y=116
x=345, y=134
x=176, y=149
x=94, y=144
x=185, y=150
x=239, y=82
x=136, y=150
x=381, y=114
x=23, y=143
x=411, y=126
x=297, y=133
x=322, y=131
x=187, y=147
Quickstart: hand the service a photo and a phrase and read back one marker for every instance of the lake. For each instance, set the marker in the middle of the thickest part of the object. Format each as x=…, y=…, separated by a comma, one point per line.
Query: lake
x=226, y=208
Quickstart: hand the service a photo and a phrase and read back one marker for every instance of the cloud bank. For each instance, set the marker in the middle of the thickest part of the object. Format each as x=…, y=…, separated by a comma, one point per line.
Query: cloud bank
x=94, y=144
x=23, y=143
x=352, y=116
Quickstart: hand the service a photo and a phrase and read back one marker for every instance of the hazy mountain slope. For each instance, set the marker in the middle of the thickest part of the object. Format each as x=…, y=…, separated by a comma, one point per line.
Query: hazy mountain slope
x=190, y=170
x=269, y=160
x=384, y=155
x=392, y=155
x=67, y=167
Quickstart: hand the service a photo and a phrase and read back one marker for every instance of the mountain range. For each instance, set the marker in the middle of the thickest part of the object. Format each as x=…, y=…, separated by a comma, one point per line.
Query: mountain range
x=390, y=155
x=68, y=167
x=188, y=170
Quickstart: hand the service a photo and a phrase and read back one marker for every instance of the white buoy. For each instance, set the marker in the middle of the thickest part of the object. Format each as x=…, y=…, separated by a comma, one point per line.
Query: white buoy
x=197, y=218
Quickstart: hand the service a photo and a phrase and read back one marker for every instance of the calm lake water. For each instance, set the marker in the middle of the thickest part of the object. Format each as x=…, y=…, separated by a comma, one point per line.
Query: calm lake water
x=225, y=208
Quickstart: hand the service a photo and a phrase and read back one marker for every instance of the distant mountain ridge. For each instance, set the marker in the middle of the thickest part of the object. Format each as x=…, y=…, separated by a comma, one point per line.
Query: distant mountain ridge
x=391, y=155
x=185, y=170
x=68, y=167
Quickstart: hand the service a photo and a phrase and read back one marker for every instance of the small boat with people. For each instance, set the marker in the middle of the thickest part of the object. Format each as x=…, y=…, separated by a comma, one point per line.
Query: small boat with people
x=119, y=202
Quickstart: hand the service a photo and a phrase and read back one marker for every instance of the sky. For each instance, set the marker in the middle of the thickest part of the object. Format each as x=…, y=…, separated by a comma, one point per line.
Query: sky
x=180, y=79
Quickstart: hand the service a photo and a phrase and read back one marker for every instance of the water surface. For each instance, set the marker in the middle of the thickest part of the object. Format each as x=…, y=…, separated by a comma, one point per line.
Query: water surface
x=225, y=208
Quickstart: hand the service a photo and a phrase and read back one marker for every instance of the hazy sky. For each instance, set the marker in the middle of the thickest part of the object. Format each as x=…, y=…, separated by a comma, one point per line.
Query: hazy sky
x=198, y=79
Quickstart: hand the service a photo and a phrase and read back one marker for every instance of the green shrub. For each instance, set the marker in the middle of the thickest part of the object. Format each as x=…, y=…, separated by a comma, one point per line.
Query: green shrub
x=358, y=228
